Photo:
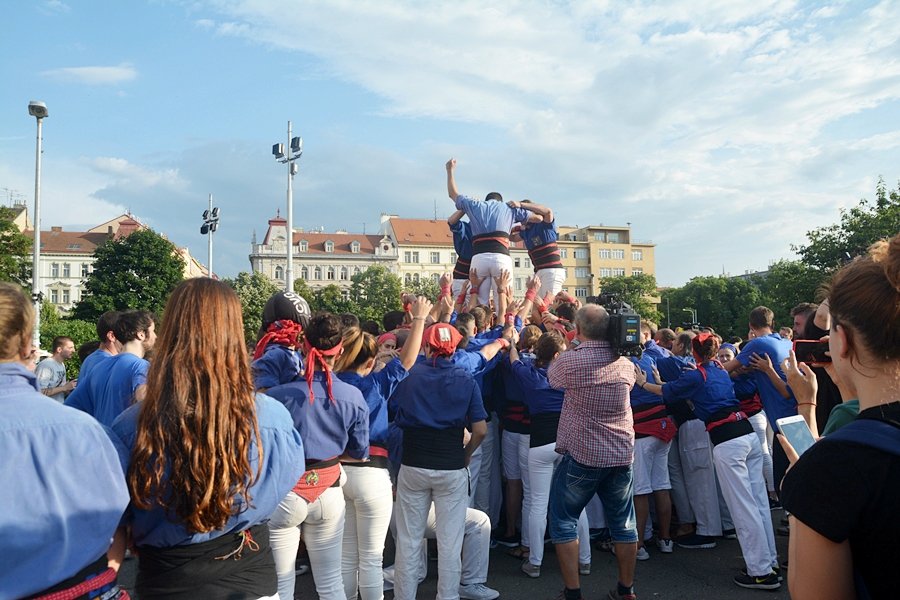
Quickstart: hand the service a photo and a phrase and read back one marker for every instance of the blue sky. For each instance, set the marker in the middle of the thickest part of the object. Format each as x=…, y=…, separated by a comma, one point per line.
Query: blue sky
x=721, y=131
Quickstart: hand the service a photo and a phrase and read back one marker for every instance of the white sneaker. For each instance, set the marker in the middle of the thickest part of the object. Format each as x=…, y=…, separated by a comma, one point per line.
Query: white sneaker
x=642, y=554
x=477, y=591
x=665, y=546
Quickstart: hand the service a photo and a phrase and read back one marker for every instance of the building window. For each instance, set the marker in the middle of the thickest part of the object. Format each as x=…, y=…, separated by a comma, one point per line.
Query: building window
x=564, y=253
x=54, y=270
x=637, y=271
x=517, y=262
x=357, y=270
x=329, y=274
x=304, y=246
x=411, y=256
x=604, y=253
x=54, y=296
x=345, y=274
x=329, y=246
x=436, y=277
x=582, y=272
x=416, y=277
x=618, y=254
x=605, y=272
x=435, y=258
x=65, y=297
x=598, y=236
x=637, y=255
x=612, y=237
x=279, y=272
x=84, y=269
x=581, y=292
x=581, y=253
x=527, y=263
x=317, y=273
x=453, y=257
x=618, y=272
x=304, y=273
x=407, y=278
x=67, y=271
x=415, y=257
x=345, y=295
x=518, y=284
x=354, y=247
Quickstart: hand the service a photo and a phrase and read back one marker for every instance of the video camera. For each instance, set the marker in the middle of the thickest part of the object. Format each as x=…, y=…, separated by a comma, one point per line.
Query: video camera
x=624, y=331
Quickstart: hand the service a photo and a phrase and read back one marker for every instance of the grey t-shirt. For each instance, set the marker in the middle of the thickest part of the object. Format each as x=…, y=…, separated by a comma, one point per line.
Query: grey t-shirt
x=50, y=374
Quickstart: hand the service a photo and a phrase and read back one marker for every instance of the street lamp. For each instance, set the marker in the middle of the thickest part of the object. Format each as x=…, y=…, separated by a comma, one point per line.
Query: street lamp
x=693, y=315
x=210, y=224
x=294, y=151
x=38, y=110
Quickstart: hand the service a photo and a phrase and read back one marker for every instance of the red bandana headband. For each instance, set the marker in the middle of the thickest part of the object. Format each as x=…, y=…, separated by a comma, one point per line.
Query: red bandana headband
x=283, y=333
x=313, y=356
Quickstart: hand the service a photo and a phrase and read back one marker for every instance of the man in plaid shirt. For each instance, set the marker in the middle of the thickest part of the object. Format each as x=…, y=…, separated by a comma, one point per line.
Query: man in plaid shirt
x=596, y=439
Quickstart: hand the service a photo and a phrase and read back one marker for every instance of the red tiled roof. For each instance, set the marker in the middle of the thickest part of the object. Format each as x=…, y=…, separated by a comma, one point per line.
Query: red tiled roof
x=342, y=241
x=69, y=242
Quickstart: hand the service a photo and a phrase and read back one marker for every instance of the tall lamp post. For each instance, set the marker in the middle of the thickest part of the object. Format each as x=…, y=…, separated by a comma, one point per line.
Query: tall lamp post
x=210, y=224
x=38, y=110
x=294, y=152
x=693, y=315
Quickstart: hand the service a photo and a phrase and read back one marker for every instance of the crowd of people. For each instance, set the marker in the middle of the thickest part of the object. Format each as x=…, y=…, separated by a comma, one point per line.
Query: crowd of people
x=228, y=466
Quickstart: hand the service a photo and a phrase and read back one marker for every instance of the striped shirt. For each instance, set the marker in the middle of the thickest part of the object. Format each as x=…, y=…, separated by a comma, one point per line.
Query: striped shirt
x=596, y=426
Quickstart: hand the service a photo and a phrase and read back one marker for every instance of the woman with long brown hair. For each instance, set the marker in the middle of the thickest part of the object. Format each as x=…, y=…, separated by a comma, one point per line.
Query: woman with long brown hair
x=210, y=459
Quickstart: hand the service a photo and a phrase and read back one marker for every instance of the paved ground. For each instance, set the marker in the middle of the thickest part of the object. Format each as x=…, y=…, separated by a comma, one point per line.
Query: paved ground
x=685, y=574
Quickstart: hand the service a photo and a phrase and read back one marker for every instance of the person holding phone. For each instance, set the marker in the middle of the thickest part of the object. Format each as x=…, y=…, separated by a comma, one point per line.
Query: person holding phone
x=842, y=493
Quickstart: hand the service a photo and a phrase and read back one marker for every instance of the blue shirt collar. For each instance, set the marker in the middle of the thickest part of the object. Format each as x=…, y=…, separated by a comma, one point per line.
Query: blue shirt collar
x=16, y=370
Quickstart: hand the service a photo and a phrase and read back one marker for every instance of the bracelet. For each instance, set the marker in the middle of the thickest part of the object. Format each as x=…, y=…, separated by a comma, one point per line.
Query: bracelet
x=806, y=404
x=530, y=294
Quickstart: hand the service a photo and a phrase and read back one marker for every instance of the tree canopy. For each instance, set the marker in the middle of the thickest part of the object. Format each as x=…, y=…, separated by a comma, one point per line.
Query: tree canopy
x=375, y=292
x=253, y=289
x=636, y=290
x=137, y=271
x=15, y=249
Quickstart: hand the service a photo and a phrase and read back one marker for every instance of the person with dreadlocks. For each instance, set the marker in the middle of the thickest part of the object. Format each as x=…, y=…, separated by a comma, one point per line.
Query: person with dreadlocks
x=434, y=404
x=333, y=420
x=277, y=359
x=737, y=456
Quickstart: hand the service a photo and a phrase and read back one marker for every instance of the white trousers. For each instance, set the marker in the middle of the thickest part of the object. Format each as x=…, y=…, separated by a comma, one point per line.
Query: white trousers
x=739, y=465
x=416, y=489
x=484, y=468
x=369, y=505
x=551, y=281
x=489, y=265
x=696, y=454
x=541, y=462
x=515, y=453
x=322, y=523
x=760, y=423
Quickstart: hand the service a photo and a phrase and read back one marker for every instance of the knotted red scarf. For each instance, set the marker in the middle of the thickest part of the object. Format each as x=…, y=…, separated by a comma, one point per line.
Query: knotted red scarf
x=283, y=332
x=314, y=356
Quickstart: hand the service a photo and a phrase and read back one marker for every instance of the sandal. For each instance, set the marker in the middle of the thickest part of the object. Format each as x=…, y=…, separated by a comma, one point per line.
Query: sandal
x=520, y=552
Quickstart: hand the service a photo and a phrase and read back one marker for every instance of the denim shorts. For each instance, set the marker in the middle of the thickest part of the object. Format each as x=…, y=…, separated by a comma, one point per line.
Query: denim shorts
x=573, y=487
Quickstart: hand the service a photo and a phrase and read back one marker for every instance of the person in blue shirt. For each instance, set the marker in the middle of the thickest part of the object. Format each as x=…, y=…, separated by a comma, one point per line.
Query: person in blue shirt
x=491, y=222
x=462, y=245
x=736, y=453
x=333, y=420
x=367, y=491
x=209, y=460
x=539, y=235
x=109, y=345
x=56, y=535
x=277, y=359
x=116, y=383
x=435, y=403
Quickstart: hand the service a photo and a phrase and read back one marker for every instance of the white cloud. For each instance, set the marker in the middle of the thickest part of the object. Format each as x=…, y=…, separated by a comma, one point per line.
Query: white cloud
x=94, y=75
x=126, y=173
x=54, y=7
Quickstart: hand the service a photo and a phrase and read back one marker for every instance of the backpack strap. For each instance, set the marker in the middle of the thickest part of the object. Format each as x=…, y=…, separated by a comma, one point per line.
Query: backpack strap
x=870, y=432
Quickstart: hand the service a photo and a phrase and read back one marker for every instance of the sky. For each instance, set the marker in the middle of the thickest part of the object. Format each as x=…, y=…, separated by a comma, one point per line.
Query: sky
x=721, y=131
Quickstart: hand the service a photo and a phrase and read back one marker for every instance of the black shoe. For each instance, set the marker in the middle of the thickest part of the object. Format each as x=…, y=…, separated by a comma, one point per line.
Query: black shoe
x=696, y=541
x=774, y=504
x=766, y=582
x=729, y=534
x=776, y=570
x=510, y=541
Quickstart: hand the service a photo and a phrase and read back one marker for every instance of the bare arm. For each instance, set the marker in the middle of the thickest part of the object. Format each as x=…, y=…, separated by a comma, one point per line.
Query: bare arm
x=544, y=211
x=820, y=568
x=419, y=309
x=451, y=182
x=479, y=430
x=455, y=217
x=764, y=363
x=805, y=386
x=490, y=351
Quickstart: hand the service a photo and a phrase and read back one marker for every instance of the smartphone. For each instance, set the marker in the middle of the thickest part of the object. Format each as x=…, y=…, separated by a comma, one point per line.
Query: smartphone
x=797, y=433
x=812, y=352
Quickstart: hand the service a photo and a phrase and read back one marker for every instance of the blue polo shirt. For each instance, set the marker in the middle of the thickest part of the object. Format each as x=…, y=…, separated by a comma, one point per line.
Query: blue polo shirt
x=282, y=466
x=462, y=239
x=655, y=351
x=489, y=216
x=111, y=387
x=278, y=365
x=92, y=360
x=671, y=367
x=437, y=394
x=376, y=388
x=541, y=397
x=641, y=398
x=708, y=396
x=328, y=428
x=778, y=349
x=64, y=492
x=539, y=234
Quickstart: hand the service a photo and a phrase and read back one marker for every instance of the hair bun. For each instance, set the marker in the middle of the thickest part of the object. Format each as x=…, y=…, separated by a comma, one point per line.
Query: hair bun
x=887, y=254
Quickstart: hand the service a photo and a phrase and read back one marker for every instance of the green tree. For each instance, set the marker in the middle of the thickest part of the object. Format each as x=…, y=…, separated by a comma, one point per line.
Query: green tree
x=374, y=292
x=786, y=284
x=136, y=271
x=79, y=331
x=15, y=249
x=859, y=228
x=427, y=287
x=253, y=289
x=637, y=290
x=330, y=299
x=723, y=303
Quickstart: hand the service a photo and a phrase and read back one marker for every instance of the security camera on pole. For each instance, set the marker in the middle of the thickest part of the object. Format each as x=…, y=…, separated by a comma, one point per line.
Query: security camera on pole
x=294, y=151
x=210, y=224
x=38, y=110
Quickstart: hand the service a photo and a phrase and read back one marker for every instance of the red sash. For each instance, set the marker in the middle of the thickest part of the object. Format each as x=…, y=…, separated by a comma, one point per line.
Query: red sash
x=733, y=417
x=655, y=422
x=316, y=480
x=94, y=583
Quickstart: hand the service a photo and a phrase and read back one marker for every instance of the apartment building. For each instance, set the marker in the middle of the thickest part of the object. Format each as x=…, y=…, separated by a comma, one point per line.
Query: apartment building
x=591, y=253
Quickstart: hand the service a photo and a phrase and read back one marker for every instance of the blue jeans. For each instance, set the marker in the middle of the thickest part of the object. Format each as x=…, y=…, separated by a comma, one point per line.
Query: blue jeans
x=573, y=487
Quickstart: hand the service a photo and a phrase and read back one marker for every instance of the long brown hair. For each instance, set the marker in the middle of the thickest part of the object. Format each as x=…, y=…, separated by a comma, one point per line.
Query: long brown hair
x=198, y=420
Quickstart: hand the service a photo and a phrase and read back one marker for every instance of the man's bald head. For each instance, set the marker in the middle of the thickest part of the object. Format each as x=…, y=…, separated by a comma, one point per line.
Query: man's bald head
x=591, y=322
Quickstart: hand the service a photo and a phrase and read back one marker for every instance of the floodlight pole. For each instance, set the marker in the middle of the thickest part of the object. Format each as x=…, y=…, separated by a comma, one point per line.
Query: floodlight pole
x=39, y=111
x=210, y=224
x=209, y=245
x=289, y=270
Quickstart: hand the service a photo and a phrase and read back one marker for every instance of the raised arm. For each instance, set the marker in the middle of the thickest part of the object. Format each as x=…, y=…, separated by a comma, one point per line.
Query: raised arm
x=451, y=182
x=545, y=212
x=455, y=217
x=419, y=311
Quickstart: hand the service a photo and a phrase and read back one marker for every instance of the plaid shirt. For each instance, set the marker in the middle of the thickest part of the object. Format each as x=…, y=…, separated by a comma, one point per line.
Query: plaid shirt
x=596, y=427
